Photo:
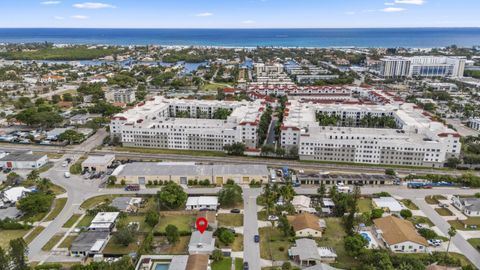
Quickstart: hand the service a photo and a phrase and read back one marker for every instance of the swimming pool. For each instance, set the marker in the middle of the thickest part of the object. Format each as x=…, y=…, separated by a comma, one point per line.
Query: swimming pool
x=366, y=236
x=161, y=266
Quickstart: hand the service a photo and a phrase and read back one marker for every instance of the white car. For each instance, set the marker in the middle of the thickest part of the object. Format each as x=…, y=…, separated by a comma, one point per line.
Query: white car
x=272, y=218
x=64, y=164
x=418, y=226
x=67, y=174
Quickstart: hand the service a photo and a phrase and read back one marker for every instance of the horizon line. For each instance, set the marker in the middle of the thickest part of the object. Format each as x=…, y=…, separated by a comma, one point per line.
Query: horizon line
x=249, y=28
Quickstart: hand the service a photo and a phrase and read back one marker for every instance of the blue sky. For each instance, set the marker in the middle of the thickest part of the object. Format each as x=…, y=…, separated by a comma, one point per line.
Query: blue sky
x=239, y=13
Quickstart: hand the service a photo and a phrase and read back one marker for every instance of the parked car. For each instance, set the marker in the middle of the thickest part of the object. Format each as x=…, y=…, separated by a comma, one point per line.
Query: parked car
x=86, y=176
x=132, y=187
x=64, y=164
x=418, y=226
x=235, y=211
x=7, y=170
x=67, y=174
x=245, y=265
x=272, y=218
x=256, y=238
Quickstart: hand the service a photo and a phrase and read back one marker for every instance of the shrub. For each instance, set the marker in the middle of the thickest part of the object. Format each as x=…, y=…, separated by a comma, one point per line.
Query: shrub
x=150, y=183
x=122, y=182
x=405, y=213
x=155, y=182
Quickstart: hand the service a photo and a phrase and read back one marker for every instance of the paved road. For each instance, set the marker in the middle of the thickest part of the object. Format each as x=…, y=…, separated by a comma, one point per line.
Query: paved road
x=251, y=250
x=77, y=189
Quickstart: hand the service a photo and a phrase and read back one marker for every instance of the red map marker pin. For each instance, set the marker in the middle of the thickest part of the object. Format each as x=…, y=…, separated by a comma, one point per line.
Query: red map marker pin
x=202, y=224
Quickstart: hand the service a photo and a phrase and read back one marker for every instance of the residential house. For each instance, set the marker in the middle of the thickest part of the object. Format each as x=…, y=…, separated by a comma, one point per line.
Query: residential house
x=201, y=243
x=389, y=204
x=127, y=204
x=104, y=221
x=302, y=204
x=469, y=206
x=307, y=225
x=202, y=203
x=197, y=262
x=89, y=243
x=399, y=235
x=12, y=195
x=306, y=253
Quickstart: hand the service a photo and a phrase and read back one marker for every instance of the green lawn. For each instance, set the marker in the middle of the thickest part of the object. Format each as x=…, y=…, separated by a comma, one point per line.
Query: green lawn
x=230, y=220
x=113, y=248
x=85, y=222
x=183, y=222
x=333, y=237
x=7, y=235
x=57, y=189
x=273, y=244
x=94, y=201
x=68, y=241
x=71, y=221
x=262, y=215
x=181, y=247
x=52, y=242
x=409, y=204
x=214, y=86
x=465, y=224
x=434, y=199
x=58, y=205
x=444, y=211
x=365, y=205
x=475, y=242
x=421, y=220
x=36, y=231
x=237, y=245
x=225, y=264
x=238, y=264
x=144, y=227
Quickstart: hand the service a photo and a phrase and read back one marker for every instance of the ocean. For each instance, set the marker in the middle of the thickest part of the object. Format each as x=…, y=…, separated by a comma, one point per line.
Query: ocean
x=318, y=38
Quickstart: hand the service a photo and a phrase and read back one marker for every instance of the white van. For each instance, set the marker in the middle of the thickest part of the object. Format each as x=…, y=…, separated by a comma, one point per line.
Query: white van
x=67, y=174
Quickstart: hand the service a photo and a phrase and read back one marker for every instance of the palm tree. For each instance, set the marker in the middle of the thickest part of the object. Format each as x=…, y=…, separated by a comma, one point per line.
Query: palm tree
x=451, y=232
x=44, y=184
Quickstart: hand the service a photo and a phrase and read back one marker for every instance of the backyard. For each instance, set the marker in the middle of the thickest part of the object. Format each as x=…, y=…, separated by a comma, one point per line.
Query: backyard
x=365, y=205
x=163, y=247
x=7, y=235
x=184, y=222
x=273, y=244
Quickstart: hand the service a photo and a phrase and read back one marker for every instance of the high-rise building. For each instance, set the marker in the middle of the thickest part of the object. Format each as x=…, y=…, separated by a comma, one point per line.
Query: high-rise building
x=422, y=66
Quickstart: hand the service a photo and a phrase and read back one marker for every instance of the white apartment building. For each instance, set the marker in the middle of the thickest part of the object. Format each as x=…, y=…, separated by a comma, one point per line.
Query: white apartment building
x=336, y=93
x=474, y=123
x=121, y=95
x=422, y=66
x=270, y=75
x=417, y=141
x=154, y=124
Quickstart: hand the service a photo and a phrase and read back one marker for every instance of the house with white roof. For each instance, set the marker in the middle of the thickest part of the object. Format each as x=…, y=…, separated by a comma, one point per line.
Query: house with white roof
x=202, y=202
x=388, y=204
x=201, y=243
x=302, y=204
x=14, y=194
x=104, y=221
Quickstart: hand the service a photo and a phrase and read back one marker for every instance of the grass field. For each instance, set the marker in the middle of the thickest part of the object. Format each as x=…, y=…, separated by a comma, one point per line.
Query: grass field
x=214, y=86
x=237, y=245
x=238, y=264
x=464, y=225
x=225, y=264
x=421, y=220
x=183, y=222
x=94, y=201
x=230, y=220
x=85, y=222
x=475, y=242
x=58, y=205
x=113, y=248
x=273, y=244
x=36, y=231
x=68, y=241
x=333, y=238
x=409, y=204
x=71, y=220
x=57, y=190
x=52, y=242
x=365, y=205
x=181, y=247
x=434, y=199
x=444, y=212
x=7, y=235
x=144, y=227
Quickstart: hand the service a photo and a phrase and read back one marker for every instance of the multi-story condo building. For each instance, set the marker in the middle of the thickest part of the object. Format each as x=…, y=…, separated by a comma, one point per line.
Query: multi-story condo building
x=121, y=95
x=337, y=93
x=188, y=124
x=270, y=75
x=422, y=66
x=474, y=123
x=416, y=140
